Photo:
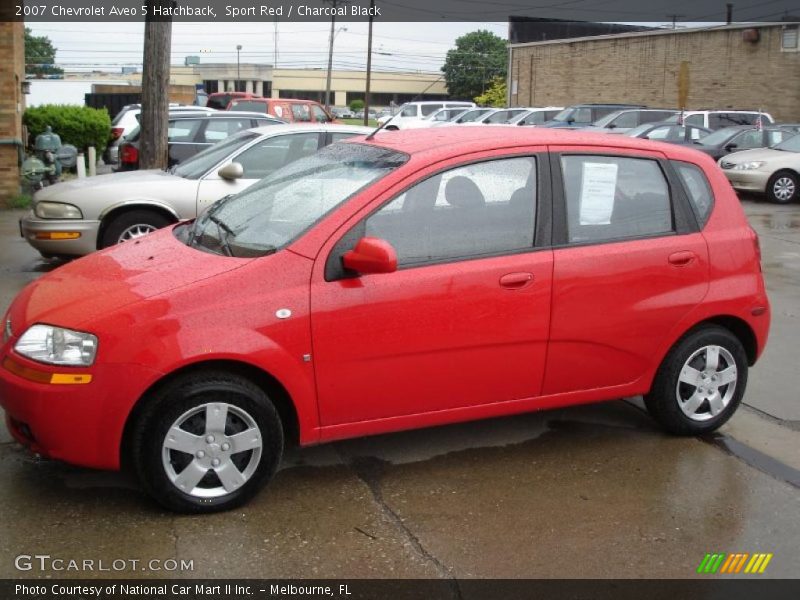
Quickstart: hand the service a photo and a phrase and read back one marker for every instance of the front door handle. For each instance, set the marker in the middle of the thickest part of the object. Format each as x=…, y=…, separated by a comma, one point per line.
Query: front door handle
x=516, y=281
x=681, y=259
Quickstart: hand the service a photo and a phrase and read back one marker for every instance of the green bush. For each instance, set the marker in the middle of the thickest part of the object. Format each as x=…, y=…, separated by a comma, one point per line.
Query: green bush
x=356, y=105
x=80, y=126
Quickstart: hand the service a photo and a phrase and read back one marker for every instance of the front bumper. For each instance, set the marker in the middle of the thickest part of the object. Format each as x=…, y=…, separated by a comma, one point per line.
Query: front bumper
x=78, y=424
x=748, y=181
x=30, y=226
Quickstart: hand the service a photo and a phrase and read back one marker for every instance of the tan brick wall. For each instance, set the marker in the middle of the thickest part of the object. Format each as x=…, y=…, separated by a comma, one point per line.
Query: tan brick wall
x=725, y=71
x=12, y=104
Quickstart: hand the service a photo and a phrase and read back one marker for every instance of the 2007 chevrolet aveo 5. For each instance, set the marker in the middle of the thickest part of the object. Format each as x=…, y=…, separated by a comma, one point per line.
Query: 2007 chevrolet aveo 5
x=413, y=279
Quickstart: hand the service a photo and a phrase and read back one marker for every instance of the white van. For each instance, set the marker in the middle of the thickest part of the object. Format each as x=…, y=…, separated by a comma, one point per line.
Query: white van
x=416, y=111
x=717, y=119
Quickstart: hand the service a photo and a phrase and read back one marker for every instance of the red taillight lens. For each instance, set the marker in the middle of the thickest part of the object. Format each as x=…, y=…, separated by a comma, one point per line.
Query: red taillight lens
x=116, y=132
x=128, y=154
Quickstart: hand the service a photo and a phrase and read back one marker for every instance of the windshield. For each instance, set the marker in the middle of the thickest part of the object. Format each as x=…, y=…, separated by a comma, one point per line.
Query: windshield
x=790, y=145
x=279, y=208
x=637, y=131
x=718, y=137
x=199, y=164
x=604, y=121
x=473, y=115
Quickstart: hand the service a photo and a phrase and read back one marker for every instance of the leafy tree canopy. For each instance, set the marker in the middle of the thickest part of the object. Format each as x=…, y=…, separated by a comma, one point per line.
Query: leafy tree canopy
x=477, y=59
x=40, y=55
x=496, y=94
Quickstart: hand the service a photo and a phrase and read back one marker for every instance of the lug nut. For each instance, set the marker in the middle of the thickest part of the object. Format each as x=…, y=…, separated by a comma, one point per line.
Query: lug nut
x=210, y=439
x=226, y=446
x=215, y=462
x=200, y=454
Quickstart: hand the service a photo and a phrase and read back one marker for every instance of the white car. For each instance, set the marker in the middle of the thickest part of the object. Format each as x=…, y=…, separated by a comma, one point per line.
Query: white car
x=500, y=116
x=77, y=217
x=416, y=111
x=717, y=119
x=535, y=116
x=441, y=116
x=127, y=120
x=470, y=115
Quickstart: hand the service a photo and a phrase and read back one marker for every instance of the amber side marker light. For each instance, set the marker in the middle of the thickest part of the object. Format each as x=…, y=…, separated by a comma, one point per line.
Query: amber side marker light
x=58, y=235
x=42, y=376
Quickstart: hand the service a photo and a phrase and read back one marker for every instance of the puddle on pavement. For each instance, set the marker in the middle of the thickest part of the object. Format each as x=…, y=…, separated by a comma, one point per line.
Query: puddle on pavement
x=754, y=458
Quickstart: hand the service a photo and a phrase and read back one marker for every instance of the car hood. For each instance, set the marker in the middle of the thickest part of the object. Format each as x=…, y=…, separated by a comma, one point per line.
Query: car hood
x=764, y=154
x=98, y=284
x=102, y=184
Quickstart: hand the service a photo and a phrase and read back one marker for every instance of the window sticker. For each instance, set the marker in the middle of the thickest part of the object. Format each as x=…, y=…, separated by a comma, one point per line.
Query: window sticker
x=598, y=187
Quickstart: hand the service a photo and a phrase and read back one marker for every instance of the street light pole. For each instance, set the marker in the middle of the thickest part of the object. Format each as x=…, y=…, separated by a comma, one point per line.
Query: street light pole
x=238, y=76
x=367, y=99
x=330, y=60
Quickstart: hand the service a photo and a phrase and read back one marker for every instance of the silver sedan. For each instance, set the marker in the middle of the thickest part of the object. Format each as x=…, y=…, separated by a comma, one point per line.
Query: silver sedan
x=77, y=217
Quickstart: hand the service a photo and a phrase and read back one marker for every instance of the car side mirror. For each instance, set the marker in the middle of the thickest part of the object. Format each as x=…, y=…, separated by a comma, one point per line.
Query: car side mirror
x=371, y=255
x=612, y=125
x=231, y=171
x=730, y=147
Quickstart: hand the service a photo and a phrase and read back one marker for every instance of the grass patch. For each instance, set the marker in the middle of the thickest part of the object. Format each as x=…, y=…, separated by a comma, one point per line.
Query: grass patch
x=372, y=122
x=20, y=201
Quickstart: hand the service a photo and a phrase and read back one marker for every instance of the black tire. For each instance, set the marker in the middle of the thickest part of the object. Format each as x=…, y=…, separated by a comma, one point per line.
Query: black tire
x=128, y=219
x=194, y=392
x=789, y=176
x=663, y=400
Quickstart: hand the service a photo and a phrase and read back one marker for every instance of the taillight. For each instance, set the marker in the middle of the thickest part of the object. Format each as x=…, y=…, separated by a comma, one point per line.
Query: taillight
x=116, y=132
x=128, y=154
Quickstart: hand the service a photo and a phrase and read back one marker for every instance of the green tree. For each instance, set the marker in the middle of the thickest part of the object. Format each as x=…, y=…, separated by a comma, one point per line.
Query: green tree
x=40, y=55
x=470, y=67
x=356, y=105
x=495, y=95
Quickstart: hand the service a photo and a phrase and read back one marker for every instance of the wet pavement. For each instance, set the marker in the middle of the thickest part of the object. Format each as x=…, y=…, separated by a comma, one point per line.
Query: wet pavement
x=594, y=491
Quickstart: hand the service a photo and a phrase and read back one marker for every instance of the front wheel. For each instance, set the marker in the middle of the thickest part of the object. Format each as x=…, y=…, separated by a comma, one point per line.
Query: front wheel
x=207, y=442
x=700, y=384
x=131, y=225
x=783, y=187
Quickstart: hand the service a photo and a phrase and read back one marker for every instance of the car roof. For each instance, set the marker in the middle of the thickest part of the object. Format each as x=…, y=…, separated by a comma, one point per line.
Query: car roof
x=312, y=127
x=458, y=141
x=221, y=115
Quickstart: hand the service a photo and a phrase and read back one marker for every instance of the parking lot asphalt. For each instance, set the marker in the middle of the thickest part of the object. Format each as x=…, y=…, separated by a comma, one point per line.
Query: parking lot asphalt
x=593, y=491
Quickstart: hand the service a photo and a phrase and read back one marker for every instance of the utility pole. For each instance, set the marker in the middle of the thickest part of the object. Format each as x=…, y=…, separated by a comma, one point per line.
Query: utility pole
x=675, y=20
x=367, y=99
x=330, y=59
x=155, y=87
x=238, y=75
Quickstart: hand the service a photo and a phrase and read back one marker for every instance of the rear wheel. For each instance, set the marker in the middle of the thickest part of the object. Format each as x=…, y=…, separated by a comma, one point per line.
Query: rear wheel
x=207, y=442
x=783, y=187
x=132, y=224
x=700, y=383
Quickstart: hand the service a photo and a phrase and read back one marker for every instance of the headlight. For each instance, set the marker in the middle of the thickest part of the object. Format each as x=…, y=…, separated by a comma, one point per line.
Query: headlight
x=57, y=346
x=749, y=166
x=56, y=210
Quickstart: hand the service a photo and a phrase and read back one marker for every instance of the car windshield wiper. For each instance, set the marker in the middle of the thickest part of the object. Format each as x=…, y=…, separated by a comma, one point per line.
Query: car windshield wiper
x=225, y=233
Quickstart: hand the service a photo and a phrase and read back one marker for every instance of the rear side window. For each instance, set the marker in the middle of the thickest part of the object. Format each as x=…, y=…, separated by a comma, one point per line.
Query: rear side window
x=409, y=111
x=695, y=120
x=429, y=109
x=320, y=115
x=249, y=105
x=627, y=119
x=471, y=211
x=698, y=189
x=720, y=120
x=183, y=130
x=301, y=113
x=535, y=118
x=610, y=198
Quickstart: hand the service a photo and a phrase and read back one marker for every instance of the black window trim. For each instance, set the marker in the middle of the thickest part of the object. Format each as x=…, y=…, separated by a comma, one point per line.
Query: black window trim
x=335, y=271
x=683, y=217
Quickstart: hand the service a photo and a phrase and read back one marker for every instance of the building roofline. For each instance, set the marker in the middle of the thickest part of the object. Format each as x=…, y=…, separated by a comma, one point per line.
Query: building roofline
x=651, y=32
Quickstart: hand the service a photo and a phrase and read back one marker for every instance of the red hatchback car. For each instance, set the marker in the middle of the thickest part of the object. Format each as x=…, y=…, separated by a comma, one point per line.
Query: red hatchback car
x=414, y=279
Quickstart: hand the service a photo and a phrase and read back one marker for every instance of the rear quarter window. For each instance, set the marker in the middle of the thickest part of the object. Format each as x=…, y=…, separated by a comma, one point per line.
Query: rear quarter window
x=698, y=189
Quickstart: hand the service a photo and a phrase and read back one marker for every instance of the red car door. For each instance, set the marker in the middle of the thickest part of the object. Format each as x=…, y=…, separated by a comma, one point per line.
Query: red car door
x=627, y=268
x=462, y=322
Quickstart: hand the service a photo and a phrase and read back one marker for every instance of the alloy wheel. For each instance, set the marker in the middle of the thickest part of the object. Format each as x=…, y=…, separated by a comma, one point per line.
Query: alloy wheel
x=707, y=383
x=783, y=188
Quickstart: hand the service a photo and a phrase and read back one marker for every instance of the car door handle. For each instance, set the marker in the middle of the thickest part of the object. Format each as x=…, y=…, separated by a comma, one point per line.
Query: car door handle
x=681, y=259
x=516, y=281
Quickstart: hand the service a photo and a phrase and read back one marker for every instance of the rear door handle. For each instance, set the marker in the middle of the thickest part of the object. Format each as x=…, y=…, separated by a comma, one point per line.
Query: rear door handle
x=516, y=281
x=681, y=259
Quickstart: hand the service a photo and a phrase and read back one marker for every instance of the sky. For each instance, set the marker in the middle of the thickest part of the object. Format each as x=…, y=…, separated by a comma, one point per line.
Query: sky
x=396, y=46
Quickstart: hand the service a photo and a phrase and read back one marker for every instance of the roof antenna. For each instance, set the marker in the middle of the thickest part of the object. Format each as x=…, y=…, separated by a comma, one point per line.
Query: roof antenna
x=372, y=135
x=414, y=99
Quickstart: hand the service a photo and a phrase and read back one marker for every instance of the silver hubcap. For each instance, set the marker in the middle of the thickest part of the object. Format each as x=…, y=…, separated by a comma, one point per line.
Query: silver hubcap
x=783, y=188
x=135, y=231
x=707, y=383
x=212, y=450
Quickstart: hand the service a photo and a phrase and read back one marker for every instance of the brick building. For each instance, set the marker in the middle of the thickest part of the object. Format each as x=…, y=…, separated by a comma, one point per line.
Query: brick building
x=730, y=66
x=12, y=105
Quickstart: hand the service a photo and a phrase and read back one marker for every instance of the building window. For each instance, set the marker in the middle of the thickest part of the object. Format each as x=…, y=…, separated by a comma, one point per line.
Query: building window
x=211, y=86
x=789, y=38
